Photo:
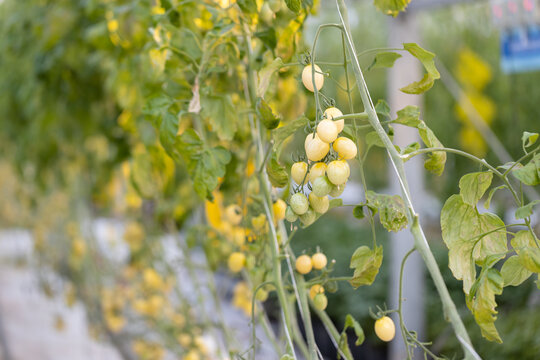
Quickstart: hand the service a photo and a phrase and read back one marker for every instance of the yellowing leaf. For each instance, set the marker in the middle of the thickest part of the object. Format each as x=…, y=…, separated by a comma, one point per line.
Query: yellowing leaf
x=366, y=264
x=391, y=208
x=473, y=186
x=391, y=7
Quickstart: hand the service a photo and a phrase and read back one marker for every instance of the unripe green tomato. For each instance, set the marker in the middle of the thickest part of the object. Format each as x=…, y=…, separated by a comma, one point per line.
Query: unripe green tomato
x=338, y=172
x=337, y=190
x=385, y=328
x=317, y=170
x=290, y=216
x=317, y=149
x=320, y=301
x=309, y=217
x=322, y=186
x=299, y=203
x=319, y=204
x=266, y=14
x=262, y=295
x=314, y=290
x=345, y=147
x=327, y=130
x=275, y=5
x=303, y=264
x=298, y=171
x=308, y=80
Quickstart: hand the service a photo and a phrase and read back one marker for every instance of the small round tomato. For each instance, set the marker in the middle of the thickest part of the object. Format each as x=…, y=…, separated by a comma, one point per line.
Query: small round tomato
x=319, y=204
x=316, y=149
x=299, y=203
x=290, y=216
x=317, y=170
x=337, y=190
x=333, y=112
x=236, y=262
x=307, y=78
x=345, y=147
x=258, y=222
x=385, y=328
x=279, y=208
x=320, y=302
x=315, y=289
x=298, y=171
x=322, y=186
x=338, y=172
x=266, y=14
x=309, y=217
x=327, y=131
x=303, y=264
x=275, y=5
x=262, y=295
x=233, y=214
x=319, y=261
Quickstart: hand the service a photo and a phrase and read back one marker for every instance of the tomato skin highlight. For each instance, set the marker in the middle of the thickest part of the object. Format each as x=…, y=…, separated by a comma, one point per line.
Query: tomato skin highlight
x=319, y=261
x=327, y=131
x=299, y=203
x=345, y=147
x=338, y=172
x=307, y=78
x=303, y=264
x=298, y=171
x=385, y=328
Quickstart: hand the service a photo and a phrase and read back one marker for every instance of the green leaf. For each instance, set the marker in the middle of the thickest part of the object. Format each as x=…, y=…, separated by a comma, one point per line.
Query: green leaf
x=167, y=132
x=384, y=59
x=410, y=116
x=366, y=264
x=280, y=134
x=265, y=74
x=276, y=172
x=392, y=210
x=265, y=113
x=528, y=138
x=526, y=211
x=268, y=38
x=426, y=58
x=391, y=7
x=513, y=272
x=410, y=148
x=382, y=108
x=482, y=303
x=350, y=322
x=373, y=139
x=530, y=173
x=247, y=6
x=221, y=114
x=473, y=186
x=527, y=251
x=294, y=5
x=205, y=165
x=471, y=238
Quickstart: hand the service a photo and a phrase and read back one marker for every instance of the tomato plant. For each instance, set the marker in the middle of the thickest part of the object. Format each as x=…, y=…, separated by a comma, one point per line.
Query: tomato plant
x=186, y=115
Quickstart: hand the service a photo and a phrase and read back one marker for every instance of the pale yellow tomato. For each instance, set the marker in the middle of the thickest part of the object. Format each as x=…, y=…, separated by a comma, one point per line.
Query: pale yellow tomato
x=279, y=208
x=236, y=262
x=319, y=204
x=233, y=214
x=345, y=147
x=298, y=171
x=307, y=78
x=303, y=264
x=315, y=289
x=333, y=112
x=338, y=172
x=317, y=149
x=385, y=328
x=327, y=130
x=317, y=170
x=319, y=261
